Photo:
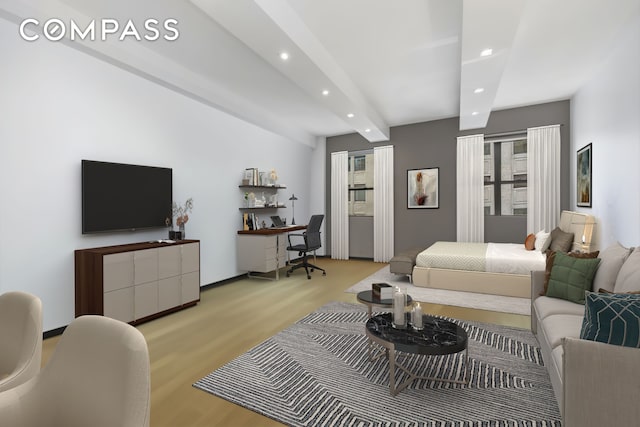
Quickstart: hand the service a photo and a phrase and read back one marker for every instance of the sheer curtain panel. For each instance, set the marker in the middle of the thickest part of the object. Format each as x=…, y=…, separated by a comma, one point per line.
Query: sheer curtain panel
x=340, y=205
x=383, y=203
x=543, y=178
x=470, y=189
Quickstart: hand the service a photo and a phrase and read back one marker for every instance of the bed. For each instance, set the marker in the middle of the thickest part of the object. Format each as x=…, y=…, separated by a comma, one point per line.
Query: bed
x=494, y=268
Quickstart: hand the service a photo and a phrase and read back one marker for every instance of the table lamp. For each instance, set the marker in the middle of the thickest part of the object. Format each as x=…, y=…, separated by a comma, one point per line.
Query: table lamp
x=293, y=199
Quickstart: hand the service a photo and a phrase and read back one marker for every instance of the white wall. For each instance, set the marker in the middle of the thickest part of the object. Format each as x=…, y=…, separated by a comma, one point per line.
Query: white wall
x=317, y=187
x=606, y=113
x=58, y=106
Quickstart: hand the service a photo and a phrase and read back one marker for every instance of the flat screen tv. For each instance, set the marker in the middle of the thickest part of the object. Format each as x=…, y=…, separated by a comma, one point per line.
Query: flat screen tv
x=118, y=196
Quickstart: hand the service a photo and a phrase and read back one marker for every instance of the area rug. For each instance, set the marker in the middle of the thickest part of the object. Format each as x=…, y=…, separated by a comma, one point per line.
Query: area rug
x=317, y=372
x=442, y=296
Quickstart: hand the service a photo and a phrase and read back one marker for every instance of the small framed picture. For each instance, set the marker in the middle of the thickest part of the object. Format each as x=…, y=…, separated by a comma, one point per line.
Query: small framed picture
x=423, y=188
x=583, y=181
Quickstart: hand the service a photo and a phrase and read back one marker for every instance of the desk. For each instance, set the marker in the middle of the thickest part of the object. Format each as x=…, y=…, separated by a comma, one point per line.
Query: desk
x=263, y=250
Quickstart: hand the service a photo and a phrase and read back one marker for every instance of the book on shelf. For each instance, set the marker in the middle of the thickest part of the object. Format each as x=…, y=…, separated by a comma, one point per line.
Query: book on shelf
x=250, y=221
x=245, y=221
x=251, y=176
x=381, y=291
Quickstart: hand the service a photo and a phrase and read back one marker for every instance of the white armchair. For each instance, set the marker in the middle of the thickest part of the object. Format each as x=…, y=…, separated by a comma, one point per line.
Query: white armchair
x=98, y=375
x=20, y=338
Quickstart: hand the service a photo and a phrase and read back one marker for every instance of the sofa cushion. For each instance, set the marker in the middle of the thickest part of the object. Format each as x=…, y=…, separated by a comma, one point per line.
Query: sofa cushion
x=547, y=306
x=571, y=277
x=560, y=240
x=628, y=279
x=611, y=260
x=558, y=326
x=551, y=256
x=612, y=319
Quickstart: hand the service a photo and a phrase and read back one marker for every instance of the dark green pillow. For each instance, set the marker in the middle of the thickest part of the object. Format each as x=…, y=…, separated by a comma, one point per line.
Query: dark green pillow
x=612, y=319
x=571, y=277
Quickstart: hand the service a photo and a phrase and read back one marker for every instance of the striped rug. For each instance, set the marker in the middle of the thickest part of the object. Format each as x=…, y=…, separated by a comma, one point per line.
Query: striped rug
x=317, y=373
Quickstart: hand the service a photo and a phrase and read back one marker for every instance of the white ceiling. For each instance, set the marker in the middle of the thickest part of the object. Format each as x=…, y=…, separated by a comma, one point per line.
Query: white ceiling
x=388, y=62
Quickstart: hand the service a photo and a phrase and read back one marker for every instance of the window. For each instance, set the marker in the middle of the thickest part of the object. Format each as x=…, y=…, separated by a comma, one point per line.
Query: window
x=361, y=183
x=505, y=176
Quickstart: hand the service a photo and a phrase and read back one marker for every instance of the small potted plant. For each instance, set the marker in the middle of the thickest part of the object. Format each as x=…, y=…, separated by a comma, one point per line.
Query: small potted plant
x=181, y=214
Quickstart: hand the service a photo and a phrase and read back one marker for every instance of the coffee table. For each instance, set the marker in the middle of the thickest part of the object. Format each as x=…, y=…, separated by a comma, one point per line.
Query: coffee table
x=439, y=337
x=366, y=298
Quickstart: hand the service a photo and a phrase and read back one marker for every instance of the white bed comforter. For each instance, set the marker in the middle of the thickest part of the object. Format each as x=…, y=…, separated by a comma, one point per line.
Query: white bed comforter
x=513, y=258
x=510, y=258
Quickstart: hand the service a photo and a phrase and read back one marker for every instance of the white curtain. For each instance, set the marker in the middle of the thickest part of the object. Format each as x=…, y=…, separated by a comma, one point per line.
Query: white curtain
x=543, y=178
x=470, y=188
x=383, y=204
x=340, y=205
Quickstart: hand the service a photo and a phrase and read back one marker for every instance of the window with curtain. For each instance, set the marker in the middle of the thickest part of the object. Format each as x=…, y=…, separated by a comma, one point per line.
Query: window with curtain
x=505, y=175
x=361, y=183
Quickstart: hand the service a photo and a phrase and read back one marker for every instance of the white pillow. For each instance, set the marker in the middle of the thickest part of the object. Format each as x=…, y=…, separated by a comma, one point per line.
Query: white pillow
x=542, y=241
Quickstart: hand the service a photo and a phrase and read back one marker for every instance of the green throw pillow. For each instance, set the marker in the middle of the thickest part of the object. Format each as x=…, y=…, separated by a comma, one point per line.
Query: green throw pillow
x=571, y=277
x=612, y=319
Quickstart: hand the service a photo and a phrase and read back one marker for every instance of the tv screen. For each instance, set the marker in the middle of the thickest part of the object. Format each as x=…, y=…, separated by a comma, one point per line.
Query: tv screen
x=118, y=196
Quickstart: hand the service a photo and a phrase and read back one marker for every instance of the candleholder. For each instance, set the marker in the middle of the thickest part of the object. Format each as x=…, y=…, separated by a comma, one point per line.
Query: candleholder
x=399, y=302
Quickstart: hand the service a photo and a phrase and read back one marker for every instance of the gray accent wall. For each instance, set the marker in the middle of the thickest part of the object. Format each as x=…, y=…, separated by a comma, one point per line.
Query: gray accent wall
x=433, y=144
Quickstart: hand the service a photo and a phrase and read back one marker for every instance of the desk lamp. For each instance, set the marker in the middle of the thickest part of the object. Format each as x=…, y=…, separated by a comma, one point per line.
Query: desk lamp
x=293, y=199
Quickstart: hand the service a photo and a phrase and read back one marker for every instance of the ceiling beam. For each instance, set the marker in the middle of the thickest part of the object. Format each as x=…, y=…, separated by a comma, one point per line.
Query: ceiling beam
x=490, y=24
x=309, y=64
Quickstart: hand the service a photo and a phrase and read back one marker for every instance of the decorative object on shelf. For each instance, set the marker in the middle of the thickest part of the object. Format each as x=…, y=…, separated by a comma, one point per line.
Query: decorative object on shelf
x=584, y=177
x=423, y=188
x=250, y=199
x=293, y=199
x=273, y=177
x=399, y=302
x=181, y=214
x=416, y=316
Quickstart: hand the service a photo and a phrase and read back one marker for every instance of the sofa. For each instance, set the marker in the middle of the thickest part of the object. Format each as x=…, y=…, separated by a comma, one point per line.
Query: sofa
x=596, y=383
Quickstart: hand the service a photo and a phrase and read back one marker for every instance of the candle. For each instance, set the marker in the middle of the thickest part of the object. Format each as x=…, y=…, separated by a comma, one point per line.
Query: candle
x=416, y=316
x=399, y=302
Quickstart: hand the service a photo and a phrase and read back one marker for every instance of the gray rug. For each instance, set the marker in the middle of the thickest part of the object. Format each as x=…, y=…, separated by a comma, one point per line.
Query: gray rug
x=317, y=373
x=442, y=296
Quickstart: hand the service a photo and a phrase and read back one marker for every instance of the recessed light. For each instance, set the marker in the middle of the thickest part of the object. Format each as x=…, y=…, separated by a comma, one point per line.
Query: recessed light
x=367, y=130
x=475, y=113
x=325, y=92
x=486, y=52
x=479, y=90
x=284, y=56
x=350, y=115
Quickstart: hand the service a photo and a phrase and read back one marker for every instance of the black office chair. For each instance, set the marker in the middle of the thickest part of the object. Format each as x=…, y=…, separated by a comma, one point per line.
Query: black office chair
x=311, y=243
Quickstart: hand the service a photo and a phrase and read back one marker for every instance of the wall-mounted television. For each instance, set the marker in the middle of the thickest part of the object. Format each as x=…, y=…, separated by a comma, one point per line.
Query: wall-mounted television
x=118, y=196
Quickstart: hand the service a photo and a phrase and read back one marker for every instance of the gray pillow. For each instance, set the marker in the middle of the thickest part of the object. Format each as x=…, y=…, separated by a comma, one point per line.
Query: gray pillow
x=611, y=261
x=560, y=240
x=628, y=279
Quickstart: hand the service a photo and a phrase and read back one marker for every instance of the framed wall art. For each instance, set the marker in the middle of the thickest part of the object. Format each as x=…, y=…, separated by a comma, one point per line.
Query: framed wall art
x=583, y=181
x=423, y=188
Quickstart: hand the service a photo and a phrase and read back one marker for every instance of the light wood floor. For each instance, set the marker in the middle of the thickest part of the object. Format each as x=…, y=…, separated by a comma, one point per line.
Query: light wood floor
x=232, y=318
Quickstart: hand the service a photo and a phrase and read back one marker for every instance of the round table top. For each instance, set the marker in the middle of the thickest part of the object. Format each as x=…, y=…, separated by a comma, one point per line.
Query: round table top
x=367, y=298
x=439, y=336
